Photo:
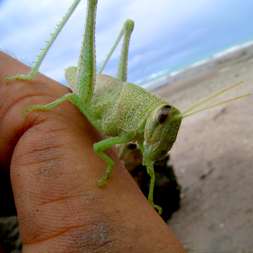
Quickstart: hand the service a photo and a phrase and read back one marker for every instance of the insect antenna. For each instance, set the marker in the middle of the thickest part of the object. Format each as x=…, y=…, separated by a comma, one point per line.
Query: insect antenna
x=203, y=104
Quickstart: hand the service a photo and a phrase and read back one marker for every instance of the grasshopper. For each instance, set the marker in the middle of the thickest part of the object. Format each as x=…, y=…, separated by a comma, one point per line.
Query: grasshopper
x=121, y=111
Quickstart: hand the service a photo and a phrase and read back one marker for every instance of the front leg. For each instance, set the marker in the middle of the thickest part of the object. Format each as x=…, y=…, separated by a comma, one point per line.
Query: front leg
x=150, y=170
x=104, y=145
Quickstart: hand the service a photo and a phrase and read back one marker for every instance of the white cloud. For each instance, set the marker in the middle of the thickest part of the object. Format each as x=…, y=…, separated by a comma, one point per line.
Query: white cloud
x=30, y=22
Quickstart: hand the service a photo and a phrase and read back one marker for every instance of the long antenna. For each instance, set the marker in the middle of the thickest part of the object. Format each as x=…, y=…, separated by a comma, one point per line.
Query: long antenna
x=210, y=97
x=215, y=105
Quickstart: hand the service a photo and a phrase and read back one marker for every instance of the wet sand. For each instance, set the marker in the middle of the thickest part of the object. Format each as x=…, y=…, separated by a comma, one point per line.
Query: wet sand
x=213, y=158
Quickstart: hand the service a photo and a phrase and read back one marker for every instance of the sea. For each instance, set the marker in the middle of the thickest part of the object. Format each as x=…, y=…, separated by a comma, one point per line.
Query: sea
x=160, y=78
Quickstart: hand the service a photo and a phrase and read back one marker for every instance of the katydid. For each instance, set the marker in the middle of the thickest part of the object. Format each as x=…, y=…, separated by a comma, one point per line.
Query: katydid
x=121, y=111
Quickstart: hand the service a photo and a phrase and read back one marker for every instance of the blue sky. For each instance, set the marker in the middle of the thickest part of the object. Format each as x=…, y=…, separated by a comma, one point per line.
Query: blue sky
x=169, y=34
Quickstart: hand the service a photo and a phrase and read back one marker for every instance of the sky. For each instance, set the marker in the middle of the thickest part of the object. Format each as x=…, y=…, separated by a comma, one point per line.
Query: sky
x=169, y=34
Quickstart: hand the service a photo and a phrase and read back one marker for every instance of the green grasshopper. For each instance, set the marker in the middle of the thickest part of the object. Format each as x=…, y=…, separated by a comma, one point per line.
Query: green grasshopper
x=121, y=111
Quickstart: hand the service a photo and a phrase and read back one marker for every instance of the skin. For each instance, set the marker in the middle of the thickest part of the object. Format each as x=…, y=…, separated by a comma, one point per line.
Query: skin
x=53, y=172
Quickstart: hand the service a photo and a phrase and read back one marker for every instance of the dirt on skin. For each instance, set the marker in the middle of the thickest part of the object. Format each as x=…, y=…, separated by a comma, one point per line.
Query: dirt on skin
x=213, y=158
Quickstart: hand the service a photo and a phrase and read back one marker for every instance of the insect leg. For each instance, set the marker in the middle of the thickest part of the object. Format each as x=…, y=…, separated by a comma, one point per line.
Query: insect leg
x=151, y=172
x=122, y=69
x=101, y=147
x=71, y=97
x=86, y=70
x=43, y=52
x=126, y=31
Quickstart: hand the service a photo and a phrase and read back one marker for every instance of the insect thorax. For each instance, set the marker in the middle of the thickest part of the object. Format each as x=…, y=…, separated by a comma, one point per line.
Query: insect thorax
x=122, y=107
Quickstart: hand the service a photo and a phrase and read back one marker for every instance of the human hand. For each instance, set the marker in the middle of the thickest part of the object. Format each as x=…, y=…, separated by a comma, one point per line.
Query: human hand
x=54, y=171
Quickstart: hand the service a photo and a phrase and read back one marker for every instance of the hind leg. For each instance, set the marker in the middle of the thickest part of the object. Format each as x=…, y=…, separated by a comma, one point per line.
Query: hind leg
x=125, y=33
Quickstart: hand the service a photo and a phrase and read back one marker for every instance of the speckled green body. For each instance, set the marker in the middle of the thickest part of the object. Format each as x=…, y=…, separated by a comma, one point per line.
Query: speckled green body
x=120, y=107
x=129, y=109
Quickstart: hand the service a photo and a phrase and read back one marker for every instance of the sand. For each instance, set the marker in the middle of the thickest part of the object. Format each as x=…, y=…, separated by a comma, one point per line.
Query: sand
x=213, y=158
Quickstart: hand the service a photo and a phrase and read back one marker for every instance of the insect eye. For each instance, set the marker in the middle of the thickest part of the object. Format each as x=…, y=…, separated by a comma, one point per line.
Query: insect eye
x=163, y=113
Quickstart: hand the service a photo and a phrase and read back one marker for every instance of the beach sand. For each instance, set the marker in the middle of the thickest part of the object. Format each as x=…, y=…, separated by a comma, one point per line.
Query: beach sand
x=213, y=157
